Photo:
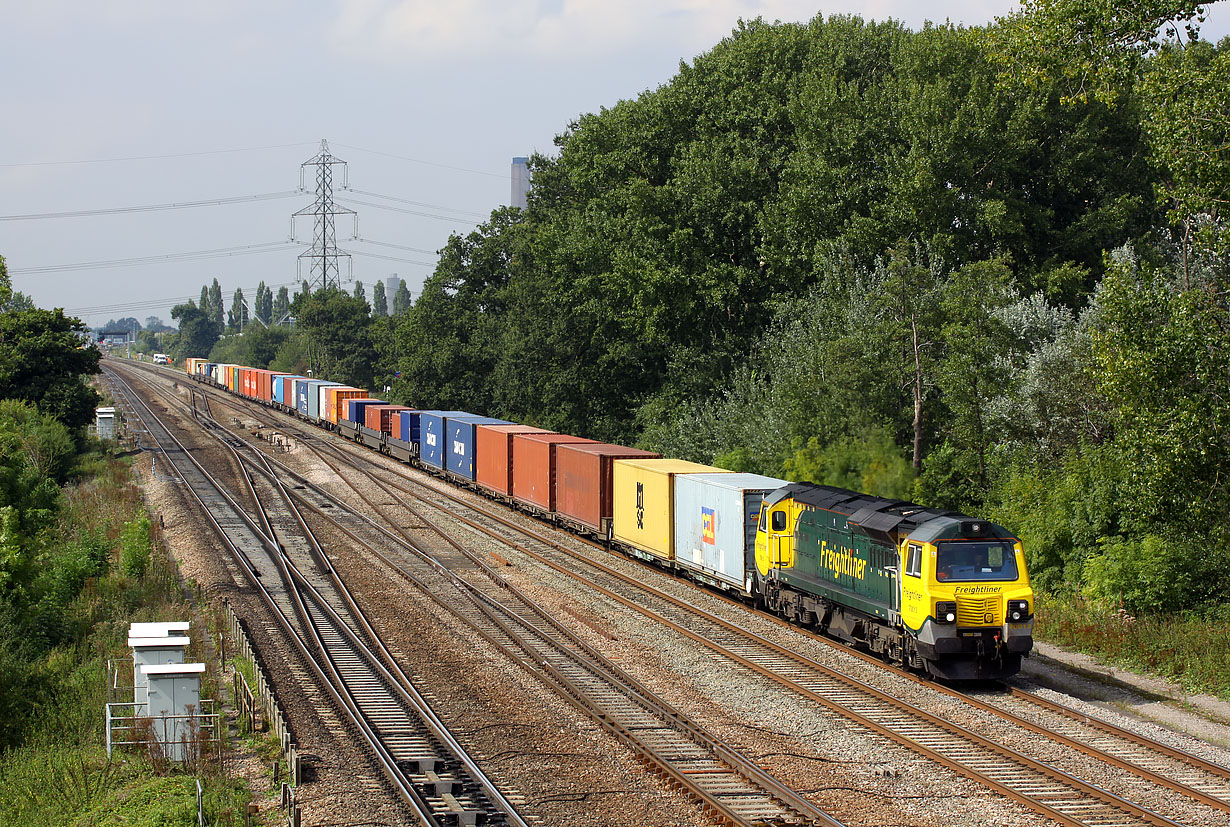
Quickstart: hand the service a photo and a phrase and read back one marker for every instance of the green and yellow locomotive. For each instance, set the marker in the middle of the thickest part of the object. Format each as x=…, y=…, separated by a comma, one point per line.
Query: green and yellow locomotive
x=934, y=590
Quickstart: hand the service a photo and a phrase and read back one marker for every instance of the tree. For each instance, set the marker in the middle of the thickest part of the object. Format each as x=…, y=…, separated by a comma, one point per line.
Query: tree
x=204, y=304
x=216, y=309
x=42, y=361
x=337, y=328
x=281, y=305
x=401, y=299
x=358, y=292
x=264, y=304
x=380, y=304
x=237, y=316
x=198, y=332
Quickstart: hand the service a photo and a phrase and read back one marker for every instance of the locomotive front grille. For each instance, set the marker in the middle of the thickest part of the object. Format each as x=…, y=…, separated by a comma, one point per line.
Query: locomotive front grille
x=979, y=611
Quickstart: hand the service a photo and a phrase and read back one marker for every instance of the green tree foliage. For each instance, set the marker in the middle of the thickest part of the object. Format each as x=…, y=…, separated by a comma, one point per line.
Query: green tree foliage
x=337, y=328
x=380, y=304
x=264, y=304
x=215, y=309
x=281, y=305
x=237, y=316
x=358, y=291
x=44, y=359
x=197, y=331
x=258, y=347
x=401, y=299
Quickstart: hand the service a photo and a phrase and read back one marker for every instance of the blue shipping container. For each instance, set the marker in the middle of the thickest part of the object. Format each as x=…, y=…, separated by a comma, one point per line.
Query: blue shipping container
x=459, y=456
x=431, y=435
x=715, y=525
x=305, y=392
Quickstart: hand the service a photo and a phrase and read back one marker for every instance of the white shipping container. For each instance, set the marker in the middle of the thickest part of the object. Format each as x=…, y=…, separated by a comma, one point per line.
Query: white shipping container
x=715, y=526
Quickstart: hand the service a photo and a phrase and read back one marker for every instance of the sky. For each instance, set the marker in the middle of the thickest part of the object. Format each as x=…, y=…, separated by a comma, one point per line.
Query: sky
x=169, y=106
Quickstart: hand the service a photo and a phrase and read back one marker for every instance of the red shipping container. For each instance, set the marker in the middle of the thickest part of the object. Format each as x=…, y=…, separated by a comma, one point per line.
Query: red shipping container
x=534, y=467
x=379, y=417
x=583, y=485
x=493, y=454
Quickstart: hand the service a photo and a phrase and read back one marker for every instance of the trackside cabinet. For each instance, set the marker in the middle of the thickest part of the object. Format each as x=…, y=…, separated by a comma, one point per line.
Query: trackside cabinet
x=644, y=492
x=715, y=526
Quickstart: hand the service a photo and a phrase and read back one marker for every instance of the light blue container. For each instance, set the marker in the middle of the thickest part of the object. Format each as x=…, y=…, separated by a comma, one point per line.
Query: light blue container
x=305, y=396
x=314, y=395
x=715, y=526
x=279, y=386
x=432, y=435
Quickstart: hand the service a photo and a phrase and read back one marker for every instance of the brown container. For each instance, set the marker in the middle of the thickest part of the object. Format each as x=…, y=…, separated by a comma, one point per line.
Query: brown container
x=583, y=481
x=493, y=455
x=534, y=458
x=380, y=417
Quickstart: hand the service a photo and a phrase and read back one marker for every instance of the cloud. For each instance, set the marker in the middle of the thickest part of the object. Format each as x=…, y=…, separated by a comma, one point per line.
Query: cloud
x=546, y=30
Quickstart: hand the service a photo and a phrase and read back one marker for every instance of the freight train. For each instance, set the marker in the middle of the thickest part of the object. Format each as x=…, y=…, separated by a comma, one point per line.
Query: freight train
x=931, y=590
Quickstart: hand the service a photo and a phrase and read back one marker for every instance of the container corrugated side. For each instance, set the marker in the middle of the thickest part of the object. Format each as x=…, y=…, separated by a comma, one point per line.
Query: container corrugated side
x=335, y=397
x=493, y=457
x=583, y=483
x=316, y=402
x=432, y=447
x=715, y=524
x=643, y=503
x=355, y=408
x=380, y=417
x=283, y=390
x=460, y=445
x=534, y=458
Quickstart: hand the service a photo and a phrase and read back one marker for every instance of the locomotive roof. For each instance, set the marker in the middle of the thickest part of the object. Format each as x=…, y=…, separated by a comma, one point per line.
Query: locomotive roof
x=886, y=520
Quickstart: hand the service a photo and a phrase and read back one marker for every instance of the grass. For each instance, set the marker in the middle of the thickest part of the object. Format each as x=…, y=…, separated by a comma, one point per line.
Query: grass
x=1191, y=650
x=60, y=774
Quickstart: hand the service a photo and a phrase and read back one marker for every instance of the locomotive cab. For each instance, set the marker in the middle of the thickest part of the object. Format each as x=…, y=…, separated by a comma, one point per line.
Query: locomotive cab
x=966, y=598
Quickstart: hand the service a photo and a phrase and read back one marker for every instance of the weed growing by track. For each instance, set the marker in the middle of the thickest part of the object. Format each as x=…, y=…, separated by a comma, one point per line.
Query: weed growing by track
x=1188, y=649
x=100, y=567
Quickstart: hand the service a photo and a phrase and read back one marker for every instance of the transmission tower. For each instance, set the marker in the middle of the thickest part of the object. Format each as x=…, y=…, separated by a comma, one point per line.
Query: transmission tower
x=322, y=258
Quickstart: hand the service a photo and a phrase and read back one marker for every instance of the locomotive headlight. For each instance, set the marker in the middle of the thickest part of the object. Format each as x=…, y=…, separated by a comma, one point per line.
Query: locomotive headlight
x=1018, y=610
x=946, y=612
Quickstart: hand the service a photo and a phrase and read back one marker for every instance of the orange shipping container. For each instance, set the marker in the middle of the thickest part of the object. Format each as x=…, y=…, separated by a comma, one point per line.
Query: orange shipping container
x=335, y=400
x=493, y=454
x=380, y=417
x=534, y=467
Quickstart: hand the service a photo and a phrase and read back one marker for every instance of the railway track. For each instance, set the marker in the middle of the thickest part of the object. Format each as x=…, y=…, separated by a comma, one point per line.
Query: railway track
x=423, y=762
x=727, y=785
x=1043, y=788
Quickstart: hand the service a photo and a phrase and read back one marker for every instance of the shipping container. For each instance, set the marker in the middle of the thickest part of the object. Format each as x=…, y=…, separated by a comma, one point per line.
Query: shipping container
x=583, y=484
x=307, y=394
x=283, y=392
x=643, y=514
x=335, y=397
x=411, y=423
x=493, y=455
x=356, y=408
x=534, y=457
x=432, y=447
x=316, y=399
x=715, y=526
x=381, y=417
x=460, y=444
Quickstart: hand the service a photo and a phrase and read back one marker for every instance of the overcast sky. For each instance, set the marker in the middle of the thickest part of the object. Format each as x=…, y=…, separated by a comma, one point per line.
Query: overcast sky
x=136, y=103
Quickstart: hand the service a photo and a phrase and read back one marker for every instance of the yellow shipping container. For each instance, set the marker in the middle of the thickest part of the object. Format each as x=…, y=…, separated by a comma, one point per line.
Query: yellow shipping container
x=644, y=502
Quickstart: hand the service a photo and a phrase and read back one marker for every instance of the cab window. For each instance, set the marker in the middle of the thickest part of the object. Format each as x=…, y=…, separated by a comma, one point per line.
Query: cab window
x=764, y=516
x=966, y=560
x=779, y=520
x=913, y=561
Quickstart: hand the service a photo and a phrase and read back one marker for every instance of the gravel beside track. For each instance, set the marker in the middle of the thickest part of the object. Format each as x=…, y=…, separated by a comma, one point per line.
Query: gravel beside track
x=858, y=777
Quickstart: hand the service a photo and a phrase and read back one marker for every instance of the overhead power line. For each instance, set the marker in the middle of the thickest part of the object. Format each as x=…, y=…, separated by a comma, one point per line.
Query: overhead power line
x=395, y=246
x=417, y=203
x=452, y=218
x=154, y=304
x=180, y=205
x=153, y=157
x=394, y=258
x=221, y=252
x=428, y=163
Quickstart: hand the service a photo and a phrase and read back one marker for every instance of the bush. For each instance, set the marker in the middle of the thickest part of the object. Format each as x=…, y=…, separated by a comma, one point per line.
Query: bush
x=1157, y=575
x=135, y=548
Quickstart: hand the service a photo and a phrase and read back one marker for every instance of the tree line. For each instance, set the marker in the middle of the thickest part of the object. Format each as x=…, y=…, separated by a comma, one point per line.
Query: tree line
x=978, y=268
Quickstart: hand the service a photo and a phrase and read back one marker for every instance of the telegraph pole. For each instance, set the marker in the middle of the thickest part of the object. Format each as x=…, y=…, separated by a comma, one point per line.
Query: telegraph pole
x=322, y=258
